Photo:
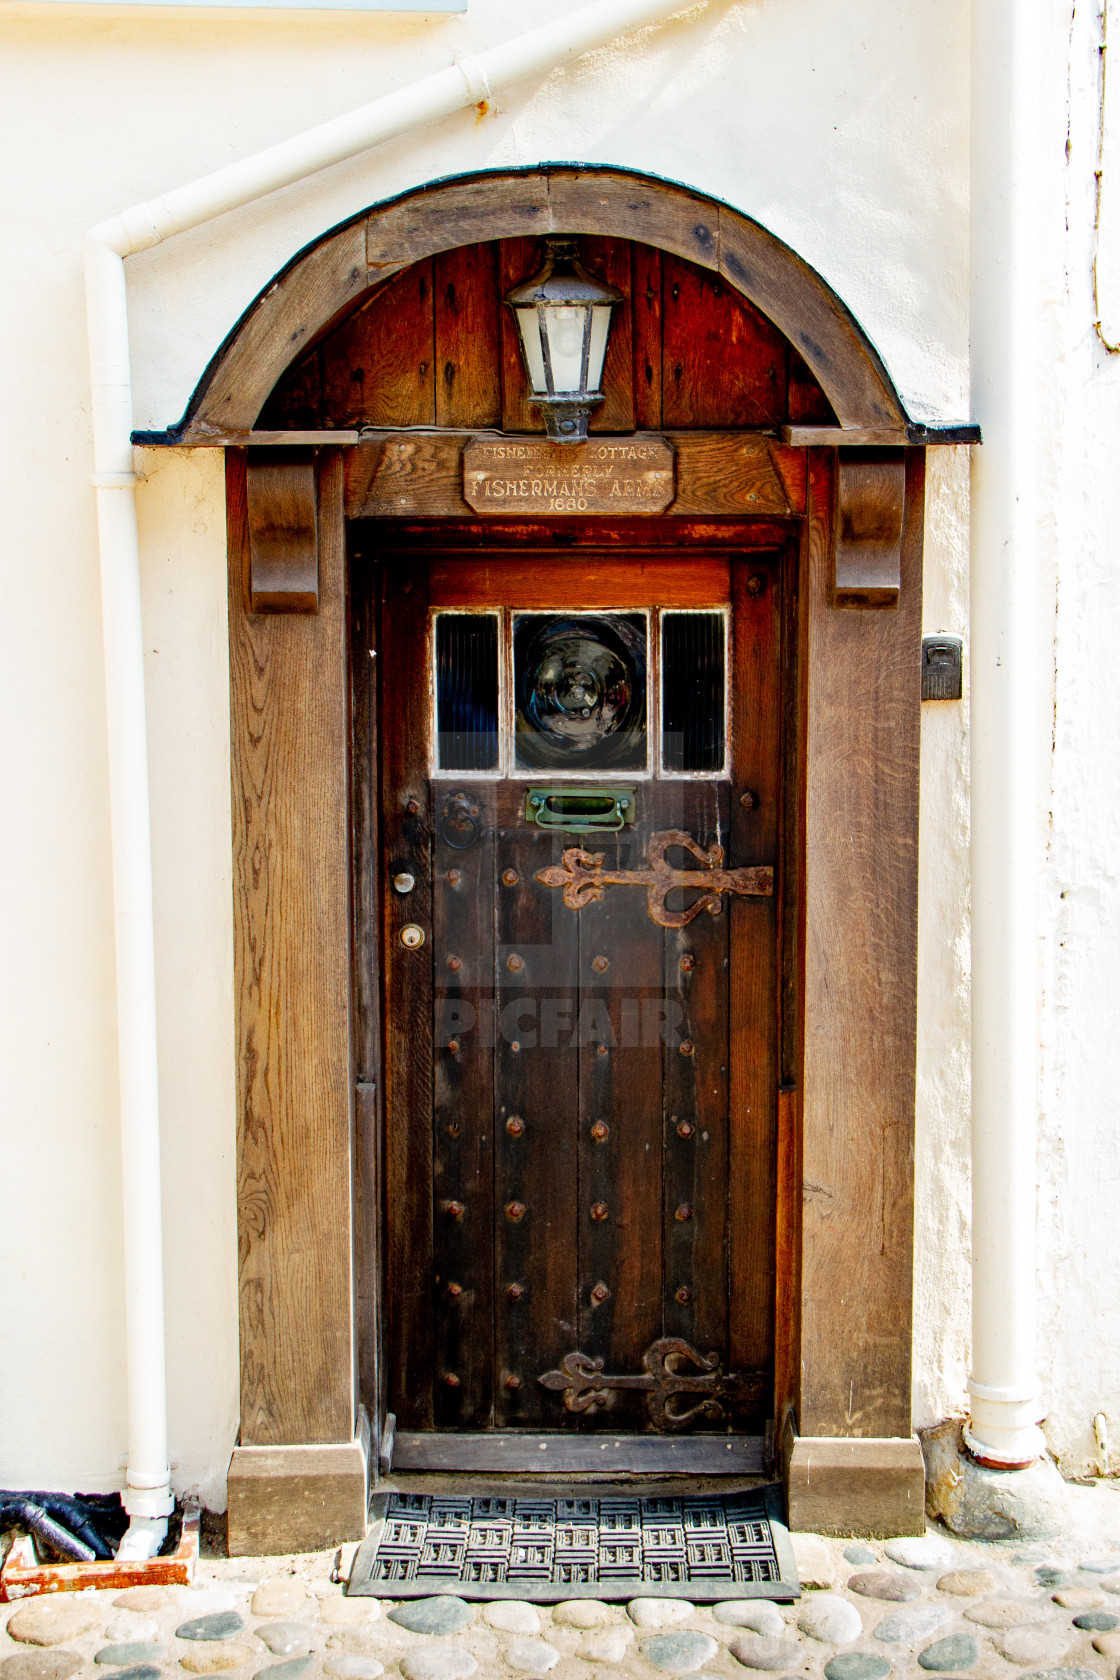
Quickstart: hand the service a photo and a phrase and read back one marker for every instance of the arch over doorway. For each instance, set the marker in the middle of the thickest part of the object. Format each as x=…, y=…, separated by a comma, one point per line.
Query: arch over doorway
x=312, y=1296
x=337, y=273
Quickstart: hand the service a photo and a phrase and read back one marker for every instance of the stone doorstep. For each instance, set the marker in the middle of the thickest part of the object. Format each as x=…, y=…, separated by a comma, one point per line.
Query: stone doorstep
x=298, y=1498
x=871, y=1487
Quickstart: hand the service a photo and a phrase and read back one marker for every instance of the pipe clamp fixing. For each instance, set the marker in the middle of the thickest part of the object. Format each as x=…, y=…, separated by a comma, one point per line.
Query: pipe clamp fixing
x=474, y=74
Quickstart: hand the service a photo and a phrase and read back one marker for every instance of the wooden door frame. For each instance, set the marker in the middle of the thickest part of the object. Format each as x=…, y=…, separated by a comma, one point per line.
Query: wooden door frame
x=299, y=1476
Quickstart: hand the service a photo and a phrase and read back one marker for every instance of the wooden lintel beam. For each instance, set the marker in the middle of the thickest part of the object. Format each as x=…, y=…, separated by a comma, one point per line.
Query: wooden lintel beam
x=847, y=437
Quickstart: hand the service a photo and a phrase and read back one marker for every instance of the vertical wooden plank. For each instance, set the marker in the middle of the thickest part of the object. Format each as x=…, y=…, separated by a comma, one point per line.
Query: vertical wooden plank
x=787, y=1271
x=645, y=316
x=366, y=991
x=365, y=872
x=536, y=1123
x=724, y=363
x=296, y=398
x=468, y=385
x=518, y=260
x=618, y=1030
x=609, y=260
x=377, y=369
x=406, y=849
x=755, y=829
x=696, y=1107
x=862, y=741
x=368, y=1267
x=808, y=405
x=463, y=887
x=291, y=806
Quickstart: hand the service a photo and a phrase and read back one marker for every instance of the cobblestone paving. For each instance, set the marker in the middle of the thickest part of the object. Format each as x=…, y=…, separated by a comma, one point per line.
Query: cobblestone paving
x=981, y=1611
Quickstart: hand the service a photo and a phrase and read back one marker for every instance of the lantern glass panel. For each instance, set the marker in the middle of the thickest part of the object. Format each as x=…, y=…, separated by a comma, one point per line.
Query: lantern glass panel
x=564, y=326
x=528, y=325
x=600, y=326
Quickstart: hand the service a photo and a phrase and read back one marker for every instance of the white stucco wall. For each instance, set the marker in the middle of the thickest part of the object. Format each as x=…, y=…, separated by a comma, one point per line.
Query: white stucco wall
x=840, y=124
x=1079, y=886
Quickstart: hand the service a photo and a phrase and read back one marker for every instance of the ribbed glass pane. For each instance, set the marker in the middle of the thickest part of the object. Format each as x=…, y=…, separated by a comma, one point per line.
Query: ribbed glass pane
x=692, y=691
x=467, y=691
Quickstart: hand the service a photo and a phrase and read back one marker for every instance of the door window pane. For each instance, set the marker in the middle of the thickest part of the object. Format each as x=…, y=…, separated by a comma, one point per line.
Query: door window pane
x=467, y=691
x=693, y=710
x=580, y=691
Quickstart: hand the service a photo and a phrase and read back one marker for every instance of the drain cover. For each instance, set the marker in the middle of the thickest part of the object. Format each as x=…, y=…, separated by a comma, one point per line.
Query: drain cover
x=702, y=1547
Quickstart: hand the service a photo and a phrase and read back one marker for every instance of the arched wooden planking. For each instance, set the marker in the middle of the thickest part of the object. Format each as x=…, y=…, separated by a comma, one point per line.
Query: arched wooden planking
x=332, y=276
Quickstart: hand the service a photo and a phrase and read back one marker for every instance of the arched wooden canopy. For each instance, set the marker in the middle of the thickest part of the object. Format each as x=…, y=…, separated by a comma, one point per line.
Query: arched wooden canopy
x=330, y=278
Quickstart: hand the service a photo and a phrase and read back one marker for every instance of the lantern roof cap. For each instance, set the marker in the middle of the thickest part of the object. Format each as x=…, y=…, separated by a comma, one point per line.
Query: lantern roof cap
x=563, y=279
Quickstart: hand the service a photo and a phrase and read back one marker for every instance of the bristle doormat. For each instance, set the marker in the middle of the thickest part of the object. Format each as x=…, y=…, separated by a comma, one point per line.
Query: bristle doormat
x=703, y=1547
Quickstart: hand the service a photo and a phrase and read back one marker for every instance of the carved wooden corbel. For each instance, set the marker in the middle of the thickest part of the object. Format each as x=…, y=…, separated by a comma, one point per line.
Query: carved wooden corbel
x=283, y=535
x=871, y=492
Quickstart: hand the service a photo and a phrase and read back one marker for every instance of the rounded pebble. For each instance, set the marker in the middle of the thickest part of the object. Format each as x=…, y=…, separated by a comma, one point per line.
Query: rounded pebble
x=126, y=1626
x=294, y=1669
x=353, y=1667
x=605, y=1644
x=286, y=1639
x=1108, y=1644
x=145, y=1599
x=830, y=1618
x=443, y=1615
x=923, y=1551
x=967, y=1583
x=580, y=1612
x=531, y=1656
x=1052, y=1575
x=1096, y=1621
x=769, y=1655
x=338, y=1612
x=890, y=1584
x=658, y=1612
x=1001, y=1613
x=55, y=1619
x=220, y=1624
x=1027, y=1645
x=512, y=1615
x=682, y=1652
x=40, y=1665
x=1062, y=1674
x=212, y=1656
x=856, y=1665
x=949, y=1656
x=916, y=1621
x=1079, y=1598
x=860, y=1557
x=123, y=1656
x=140, y=1671
x=1100, y=1566
x=285, y=1599
x=761, y=1615
x=437, y=1662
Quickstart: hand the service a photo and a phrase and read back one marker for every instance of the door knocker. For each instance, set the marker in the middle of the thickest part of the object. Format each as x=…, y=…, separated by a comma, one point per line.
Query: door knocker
x=460, y=827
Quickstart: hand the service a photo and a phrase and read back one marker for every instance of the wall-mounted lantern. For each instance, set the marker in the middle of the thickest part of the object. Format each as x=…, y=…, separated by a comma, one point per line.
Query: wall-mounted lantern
x=563, y=317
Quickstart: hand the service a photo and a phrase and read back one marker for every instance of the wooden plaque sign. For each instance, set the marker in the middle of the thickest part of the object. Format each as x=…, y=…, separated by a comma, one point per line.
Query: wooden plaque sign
x=605, y=475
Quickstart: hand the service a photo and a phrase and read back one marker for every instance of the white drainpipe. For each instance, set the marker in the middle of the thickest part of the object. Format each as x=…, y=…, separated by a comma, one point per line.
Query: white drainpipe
x=1002, y=1429
x=468, y=82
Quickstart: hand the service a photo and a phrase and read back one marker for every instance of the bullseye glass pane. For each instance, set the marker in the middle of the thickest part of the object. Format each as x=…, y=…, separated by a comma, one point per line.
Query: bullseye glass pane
x=580, y=691
x=693, y=709
x=467, y=691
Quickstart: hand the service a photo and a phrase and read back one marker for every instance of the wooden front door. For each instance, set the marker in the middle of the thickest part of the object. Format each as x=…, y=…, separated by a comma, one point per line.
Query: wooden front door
x=580, y=783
